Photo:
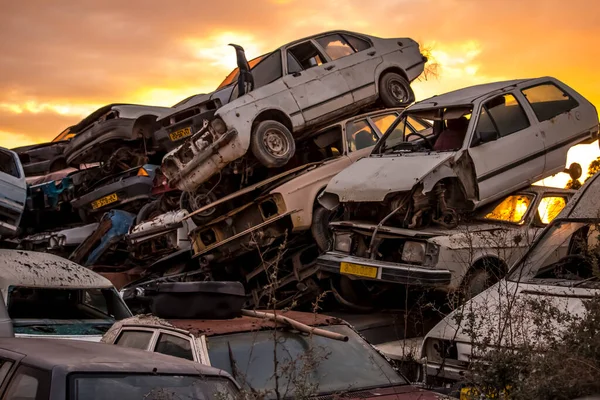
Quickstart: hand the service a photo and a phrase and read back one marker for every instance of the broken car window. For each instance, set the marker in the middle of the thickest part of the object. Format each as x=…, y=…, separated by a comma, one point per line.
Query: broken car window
x=360, y=135
x=8, y=164
x=357, y=43
x=383, y=122
x=174, y=346
x=307, y=55
x=512, y=209
x=548, y=101
x=335, y=46
x=549, y=208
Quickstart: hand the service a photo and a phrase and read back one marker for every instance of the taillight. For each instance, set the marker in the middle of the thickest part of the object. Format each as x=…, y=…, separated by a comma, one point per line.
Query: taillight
x=142, y=172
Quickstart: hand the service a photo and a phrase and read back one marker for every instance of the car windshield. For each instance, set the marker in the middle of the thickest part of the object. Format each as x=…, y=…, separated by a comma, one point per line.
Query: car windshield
x=232, y=76
x=43, y=311
x=440, y=129
x=511, y=209
x=64, y=135
x=313, y=363
x=566, y=255
x=93, y=386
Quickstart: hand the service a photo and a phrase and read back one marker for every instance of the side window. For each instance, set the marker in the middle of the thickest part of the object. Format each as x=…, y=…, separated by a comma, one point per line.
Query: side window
x=335, y=46
x=293, y=65
x=8, y=164
x=28, y=384
x=268, y=70
x=134, y=339
x=307, y=55
x=549, y=208
x=548, y=101
x=500, y=117
x=360, y=135
x=174, y=346
x=356, y=43
x=5, y=367
x=383, y=122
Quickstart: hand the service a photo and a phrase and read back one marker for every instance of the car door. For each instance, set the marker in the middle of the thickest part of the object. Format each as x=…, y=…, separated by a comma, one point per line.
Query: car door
x=315, y=83
x=356, y=59
x=506, y=147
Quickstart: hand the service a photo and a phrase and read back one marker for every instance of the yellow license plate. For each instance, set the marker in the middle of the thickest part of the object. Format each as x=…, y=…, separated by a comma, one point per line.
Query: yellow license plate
x=359, y=270
x=111, y=198
x=174, y=136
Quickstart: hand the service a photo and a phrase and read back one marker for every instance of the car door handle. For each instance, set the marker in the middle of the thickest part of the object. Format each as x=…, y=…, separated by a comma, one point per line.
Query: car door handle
x=371, y=53
x=329, y=68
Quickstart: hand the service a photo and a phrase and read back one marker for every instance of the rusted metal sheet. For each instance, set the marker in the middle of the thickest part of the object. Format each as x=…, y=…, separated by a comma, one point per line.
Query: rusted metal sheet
x=247, y=324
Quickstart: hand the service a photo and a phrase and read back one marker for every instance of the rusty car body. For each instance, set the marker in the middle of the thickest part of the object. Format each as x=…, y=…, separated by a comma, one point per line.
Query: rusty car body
x=48, y=296
x=488, y=141
x=297, y=88
x=13, y=193
x=114, y=131
x=244, y=347
x=44, y=158
x=469, y=258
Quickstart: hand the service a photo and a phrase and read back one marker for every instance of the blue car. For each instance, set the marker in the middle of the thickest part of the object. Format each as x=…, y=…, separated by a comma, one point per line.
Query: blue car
x=13, y=193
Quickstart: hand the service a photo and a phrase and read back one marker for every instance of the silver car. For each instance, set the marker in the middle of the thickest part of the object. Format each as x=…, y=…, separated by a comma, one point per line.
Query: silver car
x=13, y=192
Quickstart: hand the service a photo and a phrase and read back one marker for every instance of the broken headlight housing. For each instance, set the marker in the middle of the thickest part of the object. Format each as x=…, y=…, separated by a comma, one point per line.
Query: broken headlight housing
x=343, y=242
x=218, y=125
x=421, y=253
x=436, y=350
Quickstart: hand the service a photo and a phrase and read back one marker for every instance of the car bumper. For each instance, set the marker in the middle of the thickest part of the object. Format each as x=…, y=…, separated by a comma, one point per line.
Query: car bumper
x=386, y=271
x=162, y=137
x=83, y=145
x=205, y=163
x=435, y=371
x=127, y=190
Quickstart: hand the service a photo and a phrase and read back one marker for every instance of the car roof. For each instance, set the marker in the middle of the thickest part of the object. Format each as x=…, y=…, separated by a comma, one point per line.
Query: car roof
x=464, y=96
x=79, y=355
x=359, y=116
x=323, y=34
x=34, y=269
x=584, y=205
x=215, y=327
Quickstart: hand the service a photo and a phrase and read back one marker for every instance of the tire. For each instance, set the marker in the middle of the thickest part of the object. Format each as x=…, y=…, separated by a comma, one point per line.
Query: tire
x=272, y=144
x=395, y=91
x=146, y=211
x=480, y=277
x=320, y=228
x=185, y=203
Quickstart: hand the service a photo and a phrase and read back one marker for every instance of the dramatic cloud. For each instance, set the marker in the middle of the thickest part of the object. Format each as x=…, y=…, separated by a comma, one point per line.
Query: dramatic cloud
x=63, y=59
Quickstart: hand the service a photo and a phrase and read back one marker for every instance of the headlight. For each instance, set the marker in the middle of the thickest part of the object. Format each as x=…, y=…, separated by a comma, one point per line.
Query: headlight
x=437, y=350
x=413, y=252
x=343, y=242
x=218, y=125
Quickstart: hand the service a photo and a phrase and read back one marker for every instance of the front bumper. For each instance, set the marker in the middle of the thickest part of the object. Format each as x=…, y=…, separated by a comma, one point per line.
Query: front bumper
x=82, y=147
x=387, y=272
x=127, y=190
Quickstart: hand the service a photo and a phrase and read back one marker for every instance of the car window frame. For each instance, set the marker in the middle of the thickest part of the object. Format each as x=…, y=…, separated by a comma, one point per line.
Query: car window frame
x=136, y=329
x=536, y=222
x=377, y=131
x=344, y=40
x=46, y=381
x=287, y=48
x=555, y=84
x=370, y=42
x=188, y=338
x=475, y=139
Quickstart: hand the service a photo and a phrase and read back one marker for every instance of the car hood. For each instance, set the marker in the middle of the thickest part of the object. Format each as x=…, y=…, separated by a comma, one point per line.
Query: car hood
x=223, y=94
x=404, y=392
x=371, y=179
x=125, y=111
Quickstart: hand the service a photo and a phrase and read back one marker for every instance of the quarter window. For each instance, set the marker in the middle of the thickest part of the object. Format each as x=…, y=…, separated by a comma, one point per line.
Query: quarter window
x=548, y=101
x=549, y=208
x=360, y=135
x=335, y=46
x=268, y=70
x=134, y=339
x=28, y=384
x=174, y=346
x=307, y=55
x=356, y=43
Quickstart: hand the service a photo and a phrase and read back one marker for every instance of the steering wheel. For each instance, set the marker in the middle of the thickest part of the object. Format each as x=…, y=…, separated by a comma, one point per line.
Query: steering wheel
x=422, y=137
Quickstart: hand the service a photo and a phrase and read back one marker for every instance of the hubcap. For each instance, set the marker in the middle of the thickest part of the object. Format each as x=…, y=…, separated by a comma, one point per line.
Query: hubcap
x=275, y=143
x=397, y=90
x=201, y=199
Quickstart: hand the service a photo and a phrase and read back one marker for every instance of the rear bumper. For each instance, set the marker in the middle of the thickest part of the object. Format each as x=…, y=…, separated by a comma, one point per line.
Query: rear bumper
x=84, y=144
x=127, y=190
x=162, y=139
x=387, y=272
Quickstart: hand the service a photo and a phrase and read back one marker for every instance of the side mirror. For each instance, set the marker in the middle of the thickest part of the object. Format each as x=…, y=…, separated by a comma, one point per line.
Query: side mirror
x=574, y=171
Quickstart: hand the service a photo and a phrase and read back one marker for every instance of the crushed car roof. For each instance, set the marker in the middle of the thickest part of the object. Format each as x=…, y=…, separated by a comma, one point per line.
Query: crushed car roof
x=33, y=269
x=464, y=96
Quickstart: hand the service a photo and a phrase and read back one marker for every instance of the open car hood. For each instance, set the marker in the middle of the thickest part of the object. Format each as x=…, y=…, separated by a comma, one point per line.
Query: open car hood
x=371, y=179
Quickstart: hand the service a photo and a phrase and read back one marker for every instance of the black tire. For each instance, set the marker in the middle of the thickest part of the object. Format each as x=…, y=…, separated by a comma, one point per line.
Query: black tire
x=146, y=211
x=395, y=91
x=480, y=277
x=185, y=203
x=320, y=228
x=272, y=144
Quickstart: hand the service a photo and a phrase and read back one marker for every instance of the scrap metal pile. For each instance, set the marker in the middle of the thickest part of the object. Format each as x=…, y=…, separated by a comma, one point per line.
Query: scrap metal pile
x=278, y=179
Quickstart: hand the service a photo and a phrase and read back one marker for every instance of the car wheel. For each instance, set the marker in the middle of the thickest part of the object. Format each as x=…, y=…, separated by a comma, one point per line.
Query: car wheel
x=320, y=227
x=148, y=212
x=395, y=91
x=272, y=144
x=192, y=201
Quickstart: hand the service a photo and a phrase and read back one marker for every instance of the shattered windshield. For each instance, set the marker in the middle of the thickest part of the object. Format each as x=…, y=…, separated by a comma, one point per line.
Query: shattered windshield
x=45, y=311
x=566, y=255
x=441, y=129
x=307, y=362
x=232, y=76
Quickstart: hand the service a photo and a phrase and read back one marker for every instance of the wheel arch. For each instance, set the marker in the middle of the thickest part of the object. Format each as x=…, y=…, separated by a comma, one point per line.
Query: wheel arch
x=390, y=68
x=273, y=114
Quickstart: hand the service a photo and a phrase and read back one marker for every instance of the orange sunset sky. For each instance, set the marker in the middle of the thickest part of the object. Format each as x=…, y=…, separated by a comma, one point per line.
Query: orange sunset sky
x=60, y=60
